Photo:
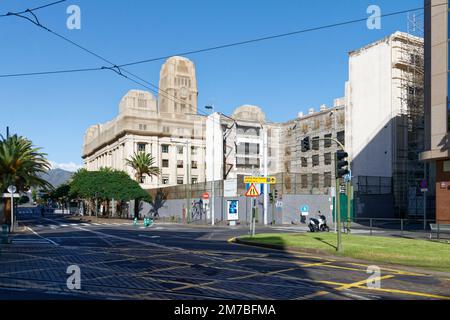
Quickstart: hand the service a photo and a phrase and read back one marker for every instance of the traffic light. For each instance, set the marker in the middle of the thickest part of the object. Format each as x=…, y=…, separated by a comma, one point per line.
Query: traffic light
x=271, y=197
x=306, y=146
x=341, y=164
x=276, y=194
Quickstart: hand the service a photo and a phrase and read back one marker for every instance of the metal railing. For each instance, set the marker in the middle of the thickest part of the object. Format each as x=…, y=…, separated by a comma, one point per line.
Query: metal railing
x=412, y=228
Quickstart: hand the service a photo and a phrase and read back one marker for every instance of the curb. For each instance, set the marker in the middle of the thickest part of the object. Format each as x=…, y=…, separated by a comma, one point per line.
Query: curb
x=279, y=247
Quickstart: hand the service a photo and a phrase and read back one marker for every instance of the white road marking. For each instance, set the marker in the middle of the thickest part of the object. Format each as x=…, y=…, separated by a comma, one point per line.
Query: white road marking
x=39, y=226
x=96, y=224
x=63, y=225
x=85, y=224
x=37, y=234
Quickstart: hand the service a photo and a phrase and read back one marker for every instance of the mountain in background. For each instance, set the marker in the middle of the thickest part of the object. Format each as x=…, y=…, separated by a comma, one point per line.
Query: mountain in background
x=57, y=177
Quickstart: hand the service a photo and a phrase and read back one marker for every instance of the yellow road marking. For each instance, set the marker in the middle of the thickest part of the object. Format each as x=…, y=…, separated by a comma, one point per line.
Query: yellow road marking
x=317, y=264
x=194, y=285
x=313, y=295
x=413, y=293
x=402, y=272
x=358, y=283
x=261, y=274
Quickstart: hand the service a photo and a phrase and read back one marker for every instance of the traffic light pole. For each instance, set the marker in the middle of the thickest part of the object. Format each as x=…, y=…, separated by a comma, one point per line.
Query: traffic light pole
x=338, y=206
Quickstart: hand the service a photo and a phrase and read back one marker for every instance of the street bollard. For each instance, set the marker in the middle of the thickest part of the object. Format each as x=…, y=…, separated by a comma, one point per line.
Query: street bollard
x=135, y=221
x=5, y=230
x=370, y=226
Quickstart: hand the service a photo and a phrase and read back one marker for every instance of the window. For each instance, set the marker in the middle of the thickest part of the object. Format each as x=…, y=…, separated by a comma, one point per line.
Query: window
x=141, y=147
x=315, y=160
x=194, y=165
x=341, y=137
x=315, y=180
x=304, y=181
x=180, y=164
x=142, y=126
x=327, y=179
x=165, y=148
x=165, y=163
x=193, y=151
x=194, y=180
x=180, y=149
x=304, y=162
x=315, y=143
x=327, y=158
x=165, y=180
x=288, y=151
x=327, y=142
x=180, y=180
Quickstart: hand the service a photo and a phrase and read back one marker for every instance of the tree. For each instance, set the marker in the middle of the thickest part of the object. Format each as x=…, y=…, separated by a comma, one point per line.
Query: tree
x=143, y=164
x=105, y=185
x=21, y=164
x=61, y=195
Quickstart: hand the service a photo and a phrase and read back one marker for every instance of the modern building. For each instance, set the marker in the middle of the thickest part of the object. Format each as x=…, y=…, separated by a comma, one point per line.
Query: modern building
x=437, y=105
x=384, y=130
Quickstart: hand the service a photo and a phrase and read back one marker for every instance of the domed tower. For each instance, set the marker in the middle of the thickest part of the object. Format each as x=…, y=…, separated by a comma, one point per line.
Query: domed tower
x=178, y=86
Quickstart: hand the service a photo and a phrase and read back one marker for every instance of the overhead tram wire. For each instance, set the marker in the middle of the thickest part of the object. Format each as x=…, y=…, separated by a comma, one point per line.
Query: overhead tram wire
x=33, y=9
x=213, y=48
x=118, y=70
x=118, y=67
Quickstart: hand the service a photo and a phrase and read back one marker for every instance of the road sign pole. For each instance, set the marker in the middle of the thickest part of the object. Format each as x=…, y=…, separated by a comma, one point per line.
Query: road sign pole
x=12, y=212
x=338, y=207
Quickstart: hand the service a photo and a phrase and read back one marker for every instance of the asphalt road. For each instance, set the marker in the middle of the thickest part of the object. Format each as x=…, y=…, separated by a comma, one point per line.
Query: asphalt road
x=122, y=261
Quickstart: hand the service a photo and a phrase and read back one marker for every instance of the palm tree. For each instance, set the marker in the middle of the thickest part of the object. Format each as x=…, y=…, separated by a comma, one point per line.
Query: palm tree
x=143, y=164
x=22, y=165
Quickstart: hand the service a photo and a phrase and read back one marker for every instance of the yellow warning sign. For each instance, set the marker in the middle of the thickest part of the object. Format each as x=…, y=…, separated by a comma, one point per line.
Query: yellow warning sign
x=252, y=191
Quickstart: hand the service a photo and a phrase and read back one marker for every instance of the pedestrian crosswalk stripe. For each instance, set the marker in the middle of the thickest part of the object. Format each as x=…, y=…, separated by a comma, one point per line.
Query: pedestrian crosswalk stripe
x=64, y=225
x=85, y=224
x=96, y=224
x=39, y=226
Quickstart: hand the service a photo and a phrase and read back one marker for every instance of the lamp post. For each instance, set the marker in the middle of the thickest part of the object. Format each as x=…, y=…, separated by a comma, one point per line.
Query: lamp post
x=188, y=178
x=12, y=189
x=212, y=164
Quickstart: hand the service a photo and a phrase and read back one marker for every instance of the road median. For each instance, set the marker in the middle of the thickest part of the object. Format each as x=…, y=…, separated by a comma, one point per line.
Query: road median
x=415, y=253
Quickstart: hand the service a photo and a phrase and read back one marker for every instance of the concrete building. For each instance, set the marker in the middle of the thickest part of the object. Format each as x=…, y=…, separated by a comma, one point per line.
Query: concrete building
x=380, y=122
x=170, y=130
x=437, y=105
x=384, y=120
x=312, y=171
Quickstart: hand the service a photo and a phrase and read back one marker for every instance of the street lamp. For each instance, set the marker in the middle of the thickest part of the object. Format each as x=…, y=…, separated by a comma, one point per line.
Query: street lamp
x=12, y=189
x=211, y=107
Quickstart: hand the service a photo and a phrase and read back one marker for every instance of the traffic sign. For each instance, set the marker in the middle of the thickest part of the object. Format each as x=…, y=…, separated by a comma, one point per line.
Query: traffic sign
x=304, y=210
x=205, y=196
x=261, y=180
x=252, y=191
x=279, y=204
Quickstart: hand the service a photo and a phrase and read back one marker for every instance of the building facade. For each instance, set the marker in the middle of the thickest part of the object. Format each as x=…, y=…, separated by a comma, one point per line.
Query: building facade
x=385, y=122
x=437, y=105
x=380, y=121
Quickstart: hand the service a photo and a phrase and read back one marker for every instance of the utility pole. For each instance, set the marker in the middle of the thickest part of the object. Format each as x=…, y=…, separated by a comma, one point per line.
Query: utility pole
x=338, y=205
x=266, y=173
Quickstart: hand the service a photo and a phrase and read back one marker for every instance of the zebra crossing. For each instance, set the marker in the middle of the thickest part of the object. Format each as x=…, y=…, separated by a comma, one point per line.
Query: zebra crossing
x=56, y=225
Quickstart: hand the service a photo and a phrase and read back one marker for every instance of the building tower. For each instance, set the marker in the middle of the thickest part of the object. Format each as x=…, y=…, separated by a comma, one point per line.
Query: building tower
x=178, y=87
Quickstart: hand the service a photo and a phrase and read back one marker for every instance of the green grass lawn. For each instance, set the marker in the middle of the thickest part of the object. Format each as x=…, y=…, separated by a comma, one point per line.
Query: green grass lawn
x=408, y=252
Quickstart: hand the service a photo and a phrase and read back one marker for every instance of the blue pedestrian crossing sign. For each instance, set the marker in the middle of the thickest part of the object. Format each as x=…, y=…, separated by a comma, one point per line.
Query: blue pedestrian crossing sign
x=304, y=210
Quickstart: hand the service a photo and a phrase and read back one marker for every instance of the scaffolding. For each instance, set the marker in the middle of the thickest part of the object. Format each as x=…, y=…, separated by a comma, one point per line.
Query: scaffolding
x=409, y=142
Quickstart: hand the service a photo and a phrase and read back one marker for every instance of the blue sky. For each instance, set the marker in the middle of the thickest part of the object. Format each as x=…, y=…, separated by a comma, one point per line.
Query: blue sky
x=282, y=76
